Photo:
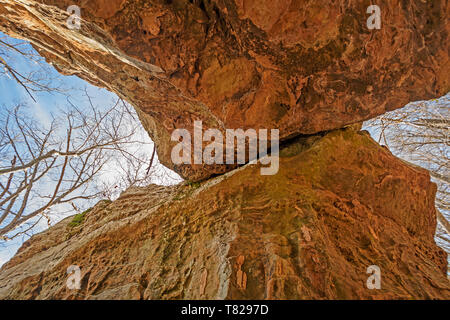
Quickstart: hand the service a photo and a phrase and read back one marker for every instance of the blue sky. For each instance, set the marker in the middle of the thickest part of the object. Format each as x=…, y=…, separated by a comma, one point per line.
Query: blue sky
x=46, y=103
x=11, y=93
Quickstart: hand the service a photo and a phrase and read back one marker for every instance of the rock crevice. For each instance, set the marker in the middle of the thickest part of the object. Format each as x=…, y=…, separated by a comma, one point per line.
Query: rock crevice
x=339, y=205
x=298, y=66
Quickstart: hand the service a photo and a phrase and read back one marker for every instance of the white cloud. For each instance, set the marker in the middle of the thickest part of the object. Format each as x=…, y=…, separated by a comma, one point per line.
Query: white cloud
x=41, y=114
x=8, y=251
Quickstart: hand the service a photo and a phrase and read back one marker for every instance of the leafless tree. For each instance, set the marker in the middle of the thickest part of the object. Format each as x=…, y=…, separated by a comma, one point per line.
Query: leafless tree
x=37, y=79
x=81, y=156
x=42, y=167
x=420, y=133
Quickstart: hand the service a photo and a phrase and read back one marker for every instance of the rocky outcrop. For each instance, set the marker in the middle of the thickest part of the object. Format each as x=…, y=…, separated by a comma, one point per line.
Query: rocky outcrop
x=340, y=204
x=301, y=66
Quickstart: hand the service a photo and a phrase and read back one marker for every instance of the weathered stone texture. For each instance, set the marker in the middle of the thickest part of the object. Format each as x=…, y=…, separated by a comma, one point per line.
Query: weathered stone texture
x=302, y=66
x=340, y=204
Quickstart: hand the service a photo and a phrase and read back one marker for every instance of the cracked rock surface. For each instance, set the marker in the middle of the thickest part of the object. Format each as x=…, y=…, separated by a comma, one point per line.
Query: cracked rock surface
x=300, y=66
x=340, y=204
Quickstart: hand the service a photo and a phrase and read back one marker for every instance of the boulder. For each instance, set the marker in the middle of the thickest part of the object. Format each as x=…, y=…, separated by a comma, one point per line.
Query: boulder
x=300, y=66
x=340, y=207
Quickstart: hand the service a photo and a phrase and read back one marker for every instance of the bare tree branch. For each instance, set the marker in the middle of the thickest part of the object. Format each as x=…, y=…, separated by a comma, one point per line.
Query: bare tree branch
x=420, y=134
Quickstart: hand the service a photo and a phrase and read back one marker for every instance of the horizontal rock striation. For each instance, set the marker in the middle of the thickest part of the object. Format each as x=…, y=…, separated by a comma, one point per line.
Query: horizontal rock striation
x=340, y=204
x=300, y=66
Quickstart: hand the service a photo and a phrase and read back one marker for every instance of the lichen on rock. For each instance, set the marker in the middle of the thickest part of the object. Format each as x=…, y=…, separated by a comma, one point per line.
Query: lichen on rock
x=302, y=67
x=339, y=204
x=309, y=232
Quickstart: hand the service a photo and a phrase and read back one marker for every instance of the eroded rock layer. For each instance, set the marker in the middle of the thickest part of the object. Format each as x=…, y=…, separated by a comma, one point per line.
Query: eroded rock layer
x=340, y=204
x=301, y=66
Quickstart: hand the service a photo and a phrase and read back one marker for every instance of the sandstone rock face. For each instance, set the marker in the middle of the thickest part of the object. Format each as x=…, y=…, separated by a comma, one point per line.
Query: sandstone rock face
x=339, y=204
x=300, y=66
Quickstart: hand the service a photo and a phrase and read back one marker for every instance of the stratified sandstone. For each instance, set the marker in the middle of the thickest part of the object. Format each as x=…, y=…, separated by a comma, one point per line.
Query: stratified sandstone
x=302, y=66
x=339, y=204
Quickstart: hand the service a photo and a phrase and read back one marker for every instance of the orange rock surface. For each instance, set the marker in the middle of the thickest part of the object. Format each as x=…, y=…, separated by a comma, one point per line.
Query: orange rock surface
x=301, y=66
x=340, y=204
